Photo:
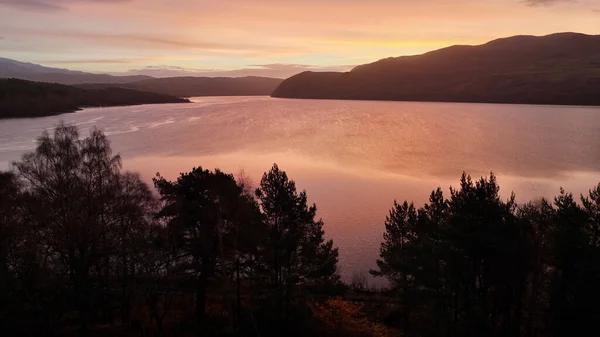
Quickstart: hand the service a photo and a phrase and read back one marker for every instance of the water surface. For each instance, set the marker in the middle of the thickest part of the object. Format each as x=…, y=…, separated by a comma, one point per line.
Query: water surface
x=353, y=158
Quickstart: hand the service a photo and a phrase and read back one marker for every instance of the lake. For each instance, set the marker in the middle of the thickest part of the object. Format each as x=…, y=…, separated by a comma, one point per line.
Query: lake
x=352, y=157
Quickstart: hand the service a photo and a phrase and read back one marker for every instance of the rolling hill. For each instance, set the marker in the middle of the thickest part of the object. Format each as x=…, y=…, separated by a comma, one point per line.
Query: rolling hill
x=175, y=86
x=555, y=69
x=204, y=86
x=35, y=72
x=21, y=98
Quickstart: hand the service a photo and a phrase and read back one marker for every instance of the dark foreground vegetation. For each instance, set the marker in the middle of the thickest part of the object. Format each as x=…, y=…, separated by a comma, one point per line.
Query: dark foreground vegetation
x=555, y=69
x=20, y=98
x=89, y=250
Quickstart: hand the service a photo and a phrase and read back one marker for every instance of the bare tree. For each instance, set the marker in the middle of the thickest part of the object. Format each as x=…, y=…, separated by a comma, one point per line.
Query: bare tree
x=359, y=281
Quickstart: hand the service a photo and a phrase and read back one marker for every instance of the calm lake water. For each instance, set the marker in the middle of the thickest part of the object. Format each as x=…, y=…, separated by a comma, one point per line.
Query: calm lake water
x=353, y=158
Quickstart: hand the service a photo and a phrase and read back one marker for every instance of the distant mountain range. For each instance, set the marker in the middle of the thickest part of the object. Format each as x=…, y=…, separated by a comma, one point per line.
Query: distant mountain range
x=555, y=69
x=202, y=86
x=560, y=68
x=35, y=72
x=175, y=86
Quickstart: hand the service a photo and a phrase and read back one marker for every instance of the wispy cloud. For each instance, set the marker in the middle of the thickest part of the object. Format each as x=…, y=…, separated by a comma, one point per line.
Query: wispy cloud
x=101, y=61
x=36, y=5
x=545, y=2
x=53, y=5
x=152, y=42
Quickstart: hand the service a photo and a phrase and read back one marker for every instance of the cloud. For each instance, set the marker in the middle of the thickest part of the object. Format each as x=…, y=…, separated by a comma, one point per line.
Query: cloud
x=36, y=5
x=151, y=42
x=52, y=5
x=266, y=70
x=100, y=61
x=544, y=2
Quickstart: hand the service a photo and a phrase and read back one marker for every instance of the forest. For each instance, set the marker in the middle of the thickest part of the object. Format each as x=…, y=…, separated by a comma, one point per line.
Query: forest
x=20, y=98
x=87, y=249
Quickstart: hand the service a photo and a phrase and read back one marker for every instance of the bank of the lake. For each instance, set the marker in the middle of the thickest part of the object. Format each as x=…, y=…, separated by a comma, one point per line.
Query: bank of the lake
x=20, y=98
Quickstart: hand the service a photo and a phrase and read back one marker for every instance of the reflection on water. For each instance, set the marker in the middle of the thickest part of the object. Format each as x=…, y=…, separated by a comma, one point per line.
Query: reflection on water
x=353, y=158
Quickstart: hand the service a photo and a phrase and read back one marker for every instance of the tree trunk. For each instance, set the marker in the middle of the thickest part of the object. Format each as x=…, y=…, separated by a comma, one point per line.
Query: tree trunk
x=201, y=298
x=82, y=300
x=238, y=297
x=154, y=316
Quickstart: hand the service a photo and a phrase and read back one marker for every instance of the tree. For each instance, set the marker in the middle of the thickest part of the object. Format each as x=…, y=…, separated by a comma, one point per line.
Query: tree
x=205, y=212
x=11, y=229
x=157, y=274
x=10, y=193
x=359, y=282
x=537, y=218
x=397, y=256
x=84, y=218
x=432, y=250
x=295, y=250
x=67, y=203
x=589, y=291
x=466, y=256
x=569, y=257
x=132, y=225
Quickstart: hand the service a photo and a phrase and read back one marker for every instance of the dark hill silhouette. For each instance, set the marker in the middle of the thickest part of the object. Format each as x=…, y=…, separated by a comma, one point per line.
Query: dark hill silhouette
x=20, y=98
x=206, y=86
x=555, y=69
x=35, y=72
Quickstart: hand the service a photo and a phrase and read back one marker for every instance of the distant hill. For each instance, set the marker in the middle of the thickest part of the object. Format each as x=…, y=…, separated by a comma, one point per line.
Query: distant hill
x=21, y=98
x=555, y=69
x=175, y=86
x=207, y=86
x=34, y=72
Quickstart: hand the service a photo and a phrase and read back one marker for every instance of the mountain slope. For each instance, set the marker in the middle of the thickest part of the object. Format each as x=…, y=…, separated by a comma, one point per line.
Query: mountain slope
x=34, y=72
x=20, y=98
x=555, y=69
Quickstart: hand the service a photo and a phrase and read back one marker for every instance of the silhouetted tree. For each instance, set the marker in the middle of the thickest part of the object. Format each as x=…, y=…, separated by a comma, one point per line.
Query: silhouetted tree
x=466, y=257
x=569, y=266
x=132, y=212
x=9, y=224
x=84, y=220
x=66, y=209
x=11, y=229
x=295, y=250
x=589, y=292
x=398, y=261
x=205, y=211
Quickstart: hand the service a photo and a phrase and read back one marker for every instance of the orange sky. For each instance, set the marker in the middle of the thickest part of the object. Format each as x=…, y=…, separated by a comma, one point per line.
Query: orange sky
x=269, y=37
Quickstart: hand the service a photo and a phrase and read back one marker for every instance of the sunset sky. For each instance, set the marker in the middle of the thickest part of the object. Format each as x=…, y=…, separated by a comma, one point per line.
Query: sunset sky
x=269, y=37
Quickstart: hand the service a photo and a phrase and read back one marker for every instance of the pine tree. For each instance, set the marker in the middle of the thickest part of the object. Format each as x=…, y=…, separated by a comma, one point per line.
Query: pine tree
x=204, y=211
x=398, y=262
x=295, y=251
x=589, y=292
